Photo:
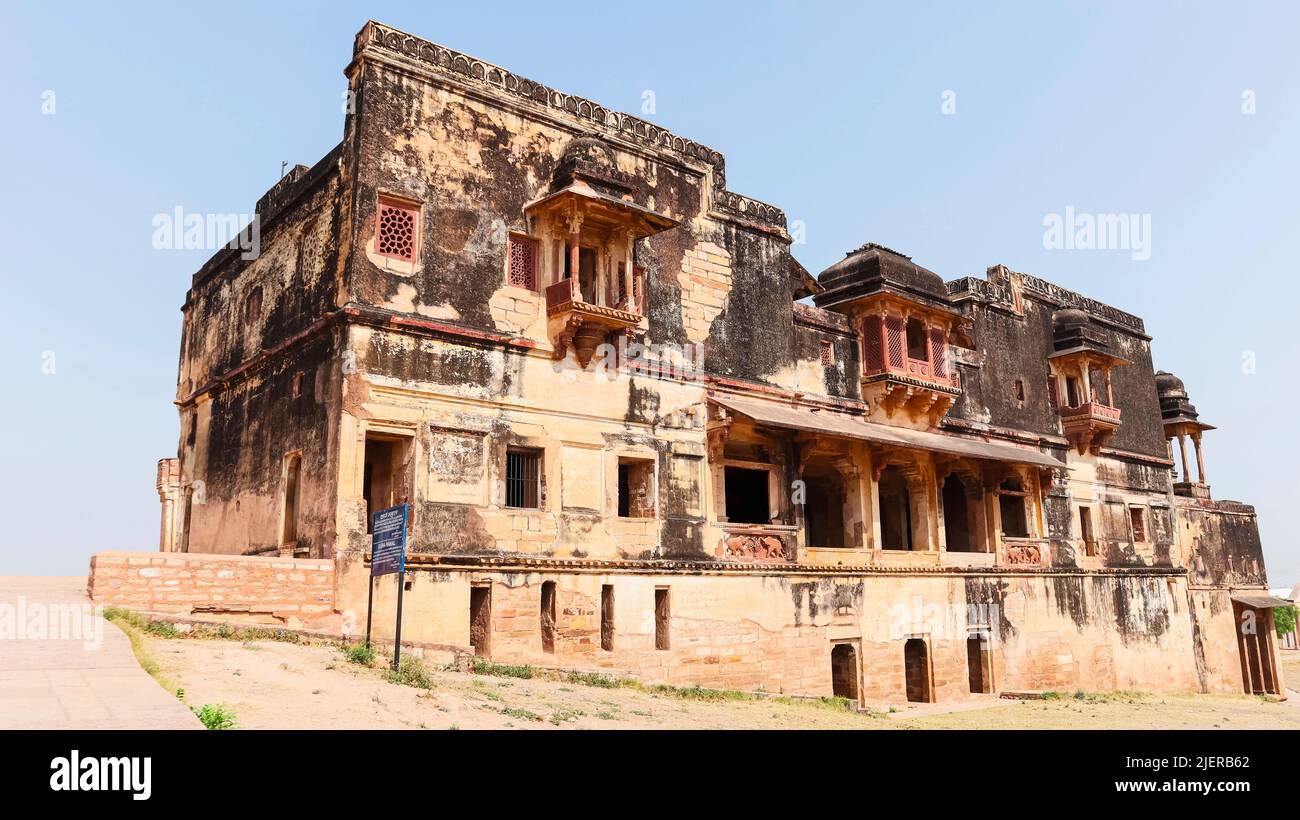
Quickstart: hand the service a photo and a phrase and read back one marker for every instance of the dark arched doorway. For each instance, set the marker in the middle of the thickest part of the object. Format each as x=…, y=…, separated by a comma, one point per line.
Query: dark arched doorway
x=916, y=665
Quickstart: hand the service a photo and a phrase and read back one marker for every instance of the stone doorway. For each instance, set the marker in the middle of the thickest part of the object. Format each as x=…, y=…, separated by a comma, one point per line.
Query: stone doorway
x=916, y=667
x=480, y=619
x=844, y=671
x=1255, y=645
x=979, y=665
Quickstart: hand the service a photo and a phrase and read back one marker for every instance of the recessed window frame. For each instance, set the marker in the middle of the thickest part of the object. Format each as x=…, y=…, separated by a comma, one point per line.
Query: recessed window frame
x=646, y=464
x=1137, y=521
x=527, y=485
x=1023, y=495
x=1086, y=531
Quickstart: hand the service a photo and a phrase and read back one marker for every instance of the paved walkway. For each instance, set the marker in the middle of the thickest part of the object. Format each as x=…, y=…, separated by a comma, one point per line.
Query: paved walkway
x=63, y=668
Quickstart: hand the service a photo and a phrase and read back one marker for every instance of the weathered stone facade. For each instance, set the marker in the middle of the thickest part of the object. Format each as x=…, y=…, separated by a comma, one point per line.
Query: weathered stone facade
x=629, y=443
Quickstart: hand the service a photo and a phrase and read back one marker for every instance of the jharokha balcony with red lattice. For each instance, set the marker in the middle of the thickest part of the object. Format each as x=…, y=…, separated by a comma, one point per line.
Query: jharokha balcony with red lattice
x=1079, y=382
x=907, y=328
x=582, y=243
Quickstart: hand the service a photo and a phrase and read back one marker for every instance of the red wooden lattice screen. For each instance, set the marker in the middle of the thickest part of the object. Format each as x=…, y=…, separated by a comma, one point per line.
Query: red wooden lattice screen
x=895, y=341
x=872, y=346
x=939, y=353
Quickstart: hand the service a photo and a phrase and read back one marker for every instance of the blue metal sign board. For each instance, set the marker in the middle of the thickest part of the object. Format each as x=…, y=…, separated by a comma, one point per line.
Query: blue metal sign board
x=388, y=545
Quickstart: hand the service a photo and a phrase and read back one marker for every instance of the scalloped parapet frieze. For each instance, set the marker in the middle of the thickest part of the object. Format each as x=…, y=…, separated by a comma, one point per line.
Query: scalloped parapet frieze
x=1000, y=293
x=981, y=288
x=463, y=66
x=745, y=207
x=1078, y=300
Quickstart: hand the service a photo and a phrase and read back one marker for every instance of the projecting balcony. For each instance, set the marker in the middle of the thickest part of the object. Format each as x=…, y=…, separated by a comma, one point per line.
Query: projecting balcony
x=582, y=324
x=1089, y=426
x=916, y=386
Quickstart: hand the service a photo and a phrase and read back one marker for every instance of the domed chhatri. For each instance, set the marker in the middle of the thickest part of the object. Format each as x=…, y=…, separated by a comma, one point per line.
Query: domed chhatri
x=591, y=160
x=1073, y=329
x=1181, y=422
x=1069, y=319
x=1169, y=385
x=906, y=323
x=588, y=149
x=1080, y=380
x=873, y=268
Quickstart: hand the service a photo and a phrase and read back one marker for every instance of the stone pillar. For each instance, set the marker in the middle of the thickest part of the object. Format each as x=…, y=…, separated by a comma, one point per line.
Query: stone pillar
x=169, y=487
x=628, y=296
x=1200, y=459
x=1182, y=451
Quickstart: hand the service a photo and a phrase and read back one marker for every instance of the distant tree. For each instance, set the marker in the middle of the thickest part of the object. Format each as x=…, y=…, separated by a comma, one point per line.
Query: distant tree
x=1284, y=619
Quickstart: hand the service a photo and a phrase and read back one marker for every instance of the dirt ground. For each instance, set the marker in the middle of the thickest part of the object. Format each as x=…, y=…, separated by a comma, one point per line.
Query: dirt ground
x=1290, y=663
x=270, y=684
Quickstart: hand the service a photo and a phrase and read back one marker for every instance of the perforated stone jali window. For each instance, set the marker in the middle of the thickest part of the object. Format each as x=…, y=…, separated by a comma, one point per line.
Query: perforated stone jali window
x=523, y=262
x=397, y=229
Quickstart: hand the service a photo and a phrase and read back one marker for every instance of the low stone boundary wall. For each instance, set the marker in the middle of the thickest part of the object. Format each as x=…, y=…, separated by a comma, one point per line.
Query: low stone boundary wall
x=293, y=592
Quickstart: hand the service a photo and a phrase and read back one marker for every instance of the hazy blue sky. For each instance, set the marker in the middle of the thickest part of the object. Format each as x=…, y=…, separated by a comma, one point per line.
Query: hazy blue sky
x=832, y=112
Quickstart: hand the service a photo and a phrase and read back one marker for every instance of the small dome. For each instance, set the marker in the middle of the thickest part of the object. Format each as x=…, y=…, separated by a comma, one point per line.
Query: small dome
x=871, y=268
x=588, y=149
x=1167, y=384
x=1069, y=319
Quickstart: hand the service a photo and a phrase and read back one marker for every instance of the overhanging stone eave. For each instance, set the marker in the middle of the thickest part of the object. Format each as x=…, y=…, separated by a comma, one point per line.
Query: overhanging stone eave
x=839, y=424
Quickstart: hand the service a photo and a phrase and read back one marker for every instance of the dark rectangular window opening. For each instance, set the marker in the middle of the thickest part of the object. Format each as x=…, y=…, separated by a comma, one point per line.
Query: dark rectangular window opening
x=895, y=510
x=1138, y=517
x=1011, y=504
x=1085, y=531
x=916, y=341
x=1073, y=393
x=663, y=615
x=607, y=617
x=747, y=496
x=587, y=274
x=523, y=478
x=480, y=619
x=636, y=497
x=548, y=616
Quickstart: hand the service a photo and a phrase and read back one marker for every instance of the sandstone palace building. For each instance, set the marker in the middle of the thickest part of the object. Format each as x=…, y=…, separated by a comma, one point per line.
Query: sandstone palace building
x=637, y=436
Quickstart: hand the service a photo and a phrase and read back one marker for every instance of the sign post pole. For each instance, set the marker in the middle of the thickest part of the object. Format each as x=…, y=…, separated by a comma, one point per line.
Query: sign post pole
x=387, y=557
x=397, y=633
x=370, y=597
